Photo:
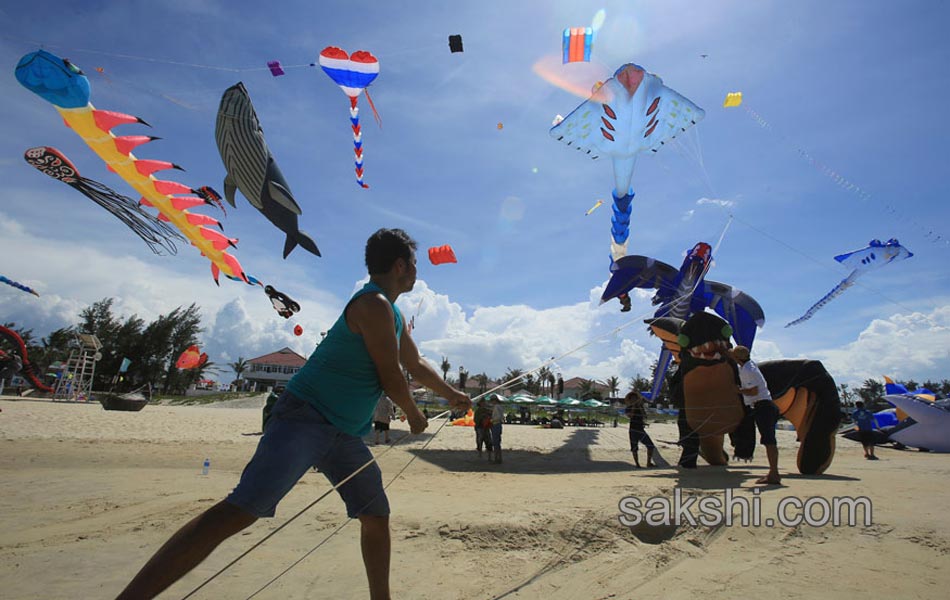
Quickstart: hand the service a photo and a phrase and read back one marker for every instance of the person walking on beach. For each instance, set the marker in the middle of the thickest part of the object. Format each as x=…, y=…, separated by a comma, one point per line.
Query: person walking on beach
x=482, y=418
x=864, y=419
x=636, y=412
x=319, y=421
x=382, y=417
x=755, y=394
x=497, y=421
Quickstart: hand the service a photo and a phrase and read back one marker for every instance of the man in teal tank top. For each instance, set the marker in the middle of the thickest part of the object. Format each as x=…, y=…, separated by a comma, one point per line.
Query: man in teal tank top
x=319, y=422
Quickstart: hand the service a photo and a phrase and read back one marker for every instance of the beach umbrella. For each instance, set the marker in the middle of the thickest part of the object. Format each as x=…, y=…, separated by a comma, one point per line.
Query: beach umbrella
x=521, y=400
x=545, y=400
x=591, y=403
x=568, y=402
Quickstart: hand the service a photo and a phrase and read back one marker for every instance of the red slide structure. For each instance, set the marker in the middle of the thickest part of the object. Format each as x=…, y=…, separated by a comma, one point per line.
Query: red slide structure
x=27, y=369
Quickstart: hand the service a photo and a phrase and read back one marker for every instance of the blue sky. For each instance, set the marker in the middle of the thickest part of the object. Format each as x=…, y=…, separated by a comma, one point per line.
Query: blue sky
x=856, y=85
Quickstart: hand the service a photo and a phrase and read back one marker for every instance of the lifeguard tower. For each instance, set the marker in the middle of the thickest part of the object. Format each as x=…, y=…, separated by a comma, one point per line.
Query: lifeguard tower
x=76, y=380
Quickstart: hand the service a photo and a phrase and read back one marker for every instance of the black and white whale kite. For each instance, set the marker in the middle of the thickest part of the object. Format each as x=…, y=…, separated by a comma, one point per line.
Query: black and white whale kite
x=252, y=169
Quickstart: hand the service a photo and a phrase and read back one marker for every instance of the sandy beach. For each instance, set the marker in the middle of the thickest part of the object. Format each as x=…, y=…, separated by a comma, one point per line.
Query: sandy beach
x=88, y=495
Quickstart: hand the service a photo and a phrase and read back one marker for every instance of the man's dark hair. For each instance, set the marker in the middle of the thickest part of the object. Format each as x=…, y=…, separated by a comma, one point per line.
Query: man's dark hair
x=384, y=247
x=859, y=404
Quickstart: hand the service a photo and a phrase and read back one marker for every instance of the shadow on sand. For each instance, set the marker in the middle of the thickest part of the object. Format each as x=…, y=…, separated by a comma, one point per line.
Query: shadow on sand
x=574, y=456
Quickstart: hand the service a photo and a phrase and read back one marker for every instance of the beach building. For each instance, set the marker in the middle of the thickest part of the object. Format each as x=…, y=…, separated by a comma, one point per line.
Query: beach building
x=573, y=388
x=269, y=371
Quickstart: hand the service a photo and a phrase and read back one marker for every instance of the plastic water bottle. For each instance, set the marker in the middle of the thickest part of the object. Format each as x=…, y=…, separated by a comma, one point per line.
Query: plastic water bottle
x=206, y=466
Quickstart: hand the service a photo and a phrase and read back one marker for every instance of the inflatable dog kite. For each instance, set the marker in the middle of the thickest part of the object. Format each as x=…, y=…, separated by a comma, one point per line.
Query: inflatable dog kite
x=707, y=388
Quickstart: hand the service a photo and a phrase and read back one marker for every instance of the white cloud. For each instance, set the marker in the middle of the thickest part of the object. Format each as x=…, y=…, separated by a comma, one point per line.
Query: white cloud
x=589, y=340
x=903, y=346
x=584, y=336
x=689, y=214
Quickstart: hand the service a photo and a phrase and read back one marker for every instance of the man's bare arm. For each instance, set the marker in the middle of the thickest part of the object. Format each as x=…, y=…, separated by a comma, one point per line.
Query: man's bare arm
x=423, y=372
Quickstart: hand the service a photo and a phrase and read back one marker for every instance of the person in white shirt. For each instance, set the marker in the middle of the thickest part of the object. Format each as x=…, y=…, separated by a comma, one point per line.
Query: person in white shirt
x=755, y=394
x=382, y=417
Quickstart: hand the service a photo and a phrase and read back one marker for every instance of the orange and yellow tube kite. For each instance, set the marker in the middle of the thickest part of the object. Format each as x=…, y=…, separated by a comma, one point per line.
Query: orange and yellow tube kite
x=63, y=84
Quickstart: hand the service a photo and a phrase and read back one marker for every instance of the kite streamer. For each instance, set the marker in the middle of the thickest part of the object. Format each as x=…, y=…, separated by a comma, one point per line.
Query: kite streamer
x=157, y=235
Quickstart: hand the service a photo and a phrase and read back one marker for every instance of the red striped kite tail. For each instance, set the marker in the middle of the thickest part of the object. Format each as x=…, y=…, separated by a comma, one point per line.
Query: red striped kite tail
x=357, y=142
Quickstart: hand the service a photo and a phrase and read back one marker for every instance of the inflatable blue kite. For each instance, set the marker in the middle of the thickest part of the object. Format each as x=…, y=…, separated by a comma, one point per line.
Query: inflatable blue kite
x=682, y=293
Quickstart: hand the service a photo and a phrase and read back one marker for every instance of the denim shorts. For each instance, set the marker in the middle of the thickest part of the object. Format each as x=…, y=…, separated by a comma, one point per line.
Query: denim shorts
x=296, y=438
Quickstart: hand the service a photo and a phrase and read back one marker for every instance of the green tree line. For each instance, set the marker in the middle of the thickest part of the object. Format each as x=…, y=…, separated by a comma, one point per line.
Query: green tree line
x=151, y=347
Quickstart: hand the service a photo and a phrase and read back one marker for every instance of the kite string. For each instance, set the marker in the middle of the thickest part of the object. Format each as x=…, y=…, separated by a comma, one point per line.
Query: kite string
x=842, y=181
x=445, y=414
x=135, y=57
x=295, y=516
x=823, y=263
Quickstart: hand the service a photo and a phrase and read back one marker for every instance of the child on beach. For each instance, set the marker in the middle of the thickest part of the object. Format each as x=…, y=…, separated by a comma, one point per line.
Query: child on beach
x=483, y=428
x=636, y=412
x=864, y=419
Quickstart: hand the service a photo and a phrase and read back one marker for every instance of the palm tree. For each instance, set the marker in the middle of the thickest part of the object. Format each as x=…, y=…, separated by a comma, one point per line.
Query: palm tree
x=613, y=384
x=445, y=368
x=239, y=367
x=640, y=384
x=552, y=381
x=463, y=377
x=543, y=373
x=512, y=376
x=587, y=389
x=845, y=394
x=482, y=380
x=529, y=383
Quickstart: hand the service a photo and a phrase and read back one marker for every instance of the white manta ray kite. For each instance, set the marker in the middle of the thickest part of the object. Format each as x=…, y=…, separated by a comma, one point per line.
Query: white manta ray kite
x=632, y=112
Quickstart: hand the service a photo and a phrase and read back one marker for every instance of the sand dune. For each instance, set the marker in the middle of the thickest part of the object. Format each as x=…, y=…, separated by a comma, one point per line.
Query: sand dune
x=88, y=495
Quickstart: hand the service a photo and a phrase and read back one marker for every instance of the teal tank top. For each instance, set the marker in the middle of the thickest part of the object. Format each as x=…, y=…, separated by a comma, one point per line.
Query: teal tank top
x=340, y=379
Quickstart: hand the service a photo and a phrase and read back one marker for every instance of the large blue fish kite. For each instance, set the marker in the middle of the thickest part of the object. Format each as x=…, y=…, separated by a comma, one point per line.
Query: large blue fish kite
x=681, y=293
x=632, y=112
x=877, y=254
